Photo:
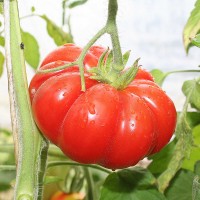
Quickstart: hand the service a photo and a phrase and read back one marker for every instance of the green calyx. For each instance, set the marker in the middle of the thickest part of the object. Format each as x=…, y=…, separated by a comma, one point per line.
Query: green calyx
x=107, y=71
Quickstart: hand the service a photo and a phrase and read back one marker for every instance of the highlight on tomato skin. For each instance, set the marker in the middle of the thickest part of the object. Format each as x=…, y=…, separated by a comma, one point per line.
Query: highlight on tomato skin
x=103, y=125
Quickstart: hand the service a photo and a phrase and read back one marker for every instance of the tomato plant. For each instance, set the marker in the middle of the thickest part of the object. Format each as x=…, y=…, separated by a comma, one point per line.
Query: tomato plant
x=99, y=113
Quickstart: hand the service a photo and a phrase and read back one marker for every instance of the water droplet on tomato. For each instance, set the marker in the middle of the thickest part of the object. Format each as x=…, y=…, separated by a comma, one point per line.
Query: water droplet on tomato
x=132, y=124
x=132, y=112
x=84, y=122
x=65, y=94
x=33, y=90
x=91, y=108
x=59, y=62
x=92, y=122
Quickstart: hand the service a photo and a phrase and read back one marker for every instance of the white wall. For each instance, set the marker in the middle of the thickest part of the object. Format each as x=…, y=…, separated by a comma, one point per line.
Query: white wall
x=152, y=29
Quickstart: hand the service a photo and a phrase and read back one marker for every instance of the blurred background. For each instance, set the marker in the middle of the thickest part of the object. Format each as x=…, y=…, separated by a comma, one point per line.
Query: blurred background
x=151, y=29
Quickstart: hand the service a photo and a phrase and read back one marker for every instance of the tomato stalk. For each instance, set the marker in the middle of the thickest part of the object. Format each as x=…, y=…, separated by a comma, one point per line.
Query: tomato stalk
x=30, y=147
x=111, y=28
x=118, y=64
x=90, y=184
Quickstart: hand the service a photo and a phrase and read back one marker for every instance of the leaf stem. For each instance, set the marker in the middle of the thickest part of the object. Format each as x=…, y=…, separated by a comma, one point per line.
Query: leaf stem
x=183, y=71
x=56, y=163
x=53, y=151
x=83, y=53
x=8, y=167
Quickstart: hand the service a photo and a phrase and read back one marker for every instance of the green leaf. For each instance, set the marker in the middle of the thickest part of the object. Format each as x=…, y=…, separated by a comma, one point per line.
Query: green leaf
x=52, y=179
x=2, y=41
x=192, y=87
x=193, y=119
x=75, y=3
x=56, y=33
x=196, y=188
x=1, y=7
x=32, y=9
x=197, y=168
x=181, y=186
x=196, y=40
x=130, y=184
x=1, y=63
x=192, y=26
x=189, y=163
x=158, y=76
x=126, y=57
x=161, y=160
x=6, y=178
x=31, y=49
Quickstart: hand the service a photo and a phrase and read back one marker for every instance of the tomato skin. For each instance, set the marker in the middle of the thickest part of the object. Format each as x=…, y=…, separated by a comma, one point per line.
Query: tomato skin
x=161, y=106
x=53, y=99
x=113, y=121
x=39, y=79
x=67, y=196
x=110, y=127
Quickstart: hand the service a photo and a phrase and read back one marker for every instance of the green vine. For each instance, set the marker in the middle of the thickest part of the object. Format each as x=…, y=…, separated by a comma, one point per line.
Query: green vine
x=30, y=147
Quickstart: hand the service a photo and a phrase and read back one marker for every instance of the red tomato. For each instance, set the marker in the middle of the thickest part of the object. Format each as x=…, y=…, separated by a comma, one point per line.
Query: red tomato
x=67, y=196
x=110, y=127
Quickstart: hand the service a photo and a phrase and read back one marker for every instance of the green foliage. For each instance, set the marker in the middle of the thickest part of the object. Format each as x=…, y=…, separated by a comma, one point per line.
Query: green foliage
x=195, y=151
x=196, y=40
x=161, y=160
x=193, y=118
x=75, y=3
x=1, y=7
x=52, y=179
x=158, y=76
x=2, y=41
x=32, y=9
x=1, y=63
x=6, y=178
x=182, y=148
x=181, y=186
x=192, y=26
x=196, y=182
x=56, y=33
x=31, y=49
x=196, y=188
x=192, y=87
x=130, y=184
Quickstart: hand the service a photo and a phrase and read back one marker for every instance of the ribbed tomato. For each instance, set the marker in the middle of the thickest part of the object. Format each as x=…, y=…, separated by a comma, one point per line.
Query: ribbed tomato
x=103, y=125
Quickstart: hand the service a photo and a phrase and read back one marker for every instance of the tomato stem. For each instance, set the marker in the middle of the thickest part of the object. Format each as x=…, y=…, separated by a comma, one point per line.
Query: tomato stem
x=83, y=53
x=90, y=184
x=111, y=29
x=29, y=145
